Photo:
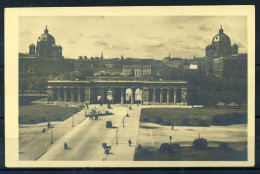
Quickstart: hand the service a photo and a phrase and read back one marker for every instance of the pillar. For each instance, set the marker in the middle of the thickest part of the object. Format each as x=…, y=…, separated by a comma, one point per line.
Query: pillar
x=87, y=95
x=58, y=94
x=154, y=95
x=72, y=95
x=78, y=94
x=133, y=96
x=183, y=95
x=122, y=95
x=161, y=95
x=112, y=94
x=168, y=95
x=175, y=95
x=50, y=93
x=102, y=95
x=145, y=95
x=65, y=94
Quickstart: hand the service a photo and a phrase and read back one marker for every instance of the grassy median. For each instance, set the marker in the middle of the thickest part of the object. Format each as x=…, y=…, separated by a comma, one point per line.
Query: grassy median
x=37, y=113
x=190, y=116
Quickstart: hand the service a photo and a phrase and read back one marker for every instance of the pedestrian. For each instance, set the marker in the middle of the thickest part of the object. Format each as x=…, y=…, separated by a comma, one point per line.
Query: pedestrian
x=172, y=127
x=65, y=146
x=43, y=131
x=49, y=125
x=87, y=105
x=129, y=142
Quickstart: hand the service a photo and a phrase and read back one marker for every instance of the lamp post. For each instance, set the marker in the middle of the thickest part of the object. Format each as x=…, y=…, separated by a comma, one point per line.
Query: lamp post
x=127, y=115
x=51, y=136
x=117, y=136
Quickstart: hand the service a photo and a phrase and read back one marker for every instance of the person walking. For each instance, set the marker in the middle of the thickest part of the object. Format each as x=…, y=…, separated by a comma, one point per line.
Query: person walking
x=129, y=142
x=65, y=146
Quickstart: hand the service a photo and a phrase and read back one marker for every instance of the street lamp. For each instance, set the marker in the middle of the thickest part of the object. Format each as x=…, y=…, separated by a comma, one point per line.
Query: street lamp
x=117, y=136
x=51, y=136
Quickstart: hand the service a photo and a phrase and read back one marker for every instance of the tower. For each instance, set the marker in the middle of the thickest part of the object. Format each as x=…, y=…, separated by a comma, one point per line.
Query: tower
x=101, y=55
x=32, y=49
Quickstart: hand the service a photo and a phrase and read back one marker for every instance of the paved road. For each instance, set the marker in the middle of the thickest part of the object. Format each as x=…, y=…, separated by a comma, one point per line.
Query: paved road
x=85, y=140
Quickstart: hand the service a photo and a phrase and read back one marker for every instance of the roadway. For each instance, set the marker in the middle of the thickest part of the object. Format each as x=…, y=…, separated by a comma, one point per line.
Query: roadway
x=85, y=140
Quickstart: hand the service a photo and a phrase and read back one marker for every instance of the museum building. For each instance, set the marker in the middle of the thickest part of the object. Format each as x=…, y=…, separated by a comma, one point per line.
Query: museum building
x=222, y=59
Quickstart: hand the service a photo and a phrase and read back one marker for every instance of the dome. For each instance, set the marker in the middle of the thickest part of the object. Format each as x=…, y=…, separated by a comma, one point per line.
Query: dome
x=31, y=45
x=46, y=37
x=221, y=38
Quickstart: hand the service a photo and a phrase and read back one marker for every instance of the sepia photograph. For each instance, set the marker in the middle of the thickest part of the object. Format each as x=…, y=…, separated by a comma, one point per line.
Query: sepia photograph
x=144, y=90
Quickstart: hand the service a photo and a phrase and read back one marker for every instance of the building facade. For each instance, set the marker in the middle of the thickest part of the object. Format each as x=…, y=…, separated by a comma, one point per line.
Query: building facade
x=137, y=70
x=222, y=59
x=96, y=91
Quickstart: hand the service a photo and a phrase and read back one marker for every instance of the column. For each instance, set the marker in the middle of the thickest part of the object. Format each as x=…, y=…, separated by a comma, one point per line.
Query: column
x=78, y=94
x=161, y=95
x=65, y=94
x=122, y=96
x=50, y=93
x=183, y=95
x=154, y=95
x=58, y=94
x=175, y=93
x=87, y=95
x=145, y=96
x=72, y=95
x=133, y=96
x=112, y=95
x=168, y=95
x=102, y=95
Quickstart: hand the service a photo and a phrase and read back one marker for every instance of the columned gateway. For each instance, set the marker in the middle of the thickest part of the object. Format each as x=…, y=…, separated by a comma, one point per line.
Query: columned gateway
x=114, y=91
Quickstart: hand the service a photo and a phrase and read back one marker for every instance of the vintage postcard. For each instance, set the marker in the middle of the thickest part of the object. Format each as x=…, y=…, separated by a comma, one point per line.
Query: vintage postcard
x=130, y=86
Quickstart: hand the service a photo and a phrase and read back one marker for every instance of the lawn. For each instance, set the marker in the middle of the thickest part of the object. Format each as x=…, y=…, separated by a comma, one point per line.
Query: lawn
x=190, y=154
x=37, y=113
x=187, y=116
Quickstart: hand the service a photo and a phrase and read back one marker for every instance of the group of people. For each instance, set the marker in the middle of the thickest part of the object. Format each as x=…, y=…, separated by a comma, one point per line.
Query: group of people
x=49, y=125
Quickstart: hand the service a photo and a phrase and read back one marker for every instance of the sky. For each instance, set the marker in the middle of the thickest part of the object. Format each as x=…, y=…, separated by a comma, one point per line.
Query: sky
x=133, y=36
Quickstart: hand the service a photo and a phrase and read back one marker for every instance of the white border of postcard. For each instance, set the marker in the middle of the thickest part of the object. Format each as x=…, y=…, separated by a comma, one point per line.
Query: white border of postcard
x=11, y=78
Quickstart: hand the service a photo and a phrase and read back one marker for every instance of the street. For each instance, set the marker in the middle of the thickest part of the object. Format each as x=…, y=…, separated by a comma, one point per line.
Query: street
x=85, y=140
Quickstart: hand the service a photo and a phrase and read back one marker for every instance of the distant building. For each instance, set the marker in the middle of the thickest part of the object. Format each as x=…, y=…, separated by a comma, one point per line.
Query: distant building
x=46, y=46
x=44, y=59
x=231, y=66
x=222, y=58
x=137, y=70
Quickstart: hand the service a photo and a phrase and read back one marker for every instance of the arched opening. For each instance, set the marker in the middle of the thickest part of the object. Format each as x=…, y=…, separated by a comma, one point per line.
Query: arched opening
x=164, y=94
x=178, y=95
x=171, y=95
x=55, y=94
x=138, y=95
x=128, y=95
x=157, y=94
x=150, y=92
